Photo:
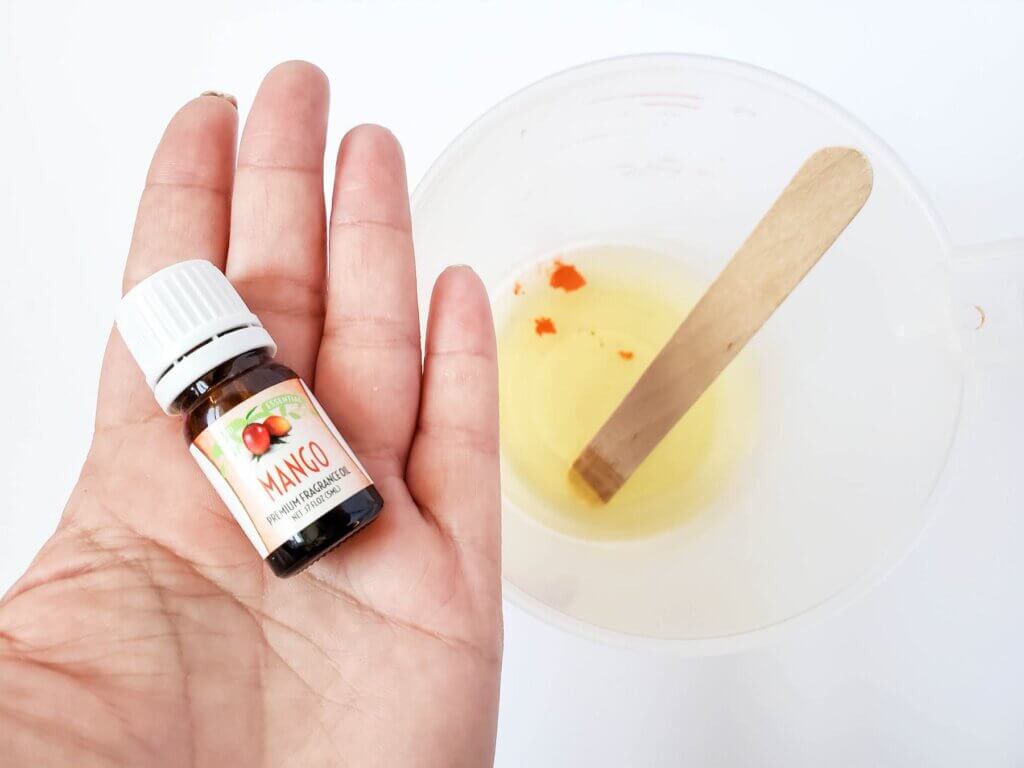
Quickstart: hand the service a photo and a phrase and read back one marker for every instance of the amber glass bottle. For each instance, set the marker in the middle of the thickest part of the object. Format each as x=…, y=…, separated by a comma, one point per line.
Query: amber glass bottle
x=228, y=385
x=252, y=424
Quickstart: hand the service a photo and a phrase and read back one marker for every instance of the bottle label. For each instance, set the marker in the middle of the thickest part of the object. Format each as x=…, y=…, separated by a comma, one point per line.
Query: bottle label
x=278, y=463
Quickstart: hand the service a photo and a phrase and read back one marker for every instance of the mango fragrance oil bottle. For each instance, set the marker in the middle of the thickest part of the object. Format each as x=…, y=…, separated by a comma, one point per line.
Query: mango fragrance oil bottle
x=255, y=428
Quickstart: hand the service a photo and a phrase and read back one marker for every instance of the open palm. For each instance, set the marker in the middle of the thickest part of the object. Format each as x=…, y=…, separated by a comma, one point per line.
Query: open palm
x=148, y=631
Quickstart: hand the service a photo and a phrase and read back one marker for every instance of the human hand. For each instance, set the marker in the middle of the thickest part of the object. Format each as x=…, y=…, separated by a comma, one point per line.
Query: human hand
x=147, y=630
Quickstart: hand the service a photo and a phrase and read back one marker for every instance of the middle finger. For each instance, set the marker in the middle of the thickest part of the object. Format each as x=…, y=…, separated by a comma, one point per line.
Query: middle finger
x=276, y=257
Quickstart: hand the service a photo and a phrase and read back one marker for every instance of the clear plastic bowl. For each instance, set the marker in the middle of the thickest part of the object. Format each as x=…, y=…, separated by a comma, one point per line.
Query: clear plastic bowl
x=859, y=373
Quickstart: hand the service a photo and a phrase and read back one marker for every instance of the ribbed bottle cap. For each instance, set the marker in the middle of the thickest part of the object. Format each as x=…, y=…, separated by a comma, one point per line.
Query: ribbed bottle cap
x=184, y=321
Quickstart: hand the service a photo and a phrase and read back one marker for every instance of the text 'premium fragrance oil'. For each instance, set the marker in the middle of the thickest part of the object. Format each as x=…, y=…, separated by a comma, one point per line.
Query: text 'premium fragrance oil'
x=255, y=428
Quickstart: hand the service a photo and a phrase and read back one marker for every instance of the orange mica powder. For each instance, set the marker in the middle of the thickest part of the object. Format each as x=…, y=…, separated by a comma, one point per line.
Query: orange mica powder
x=625, y=354
x=517, y=289
x=566, y=277
x=543, y=325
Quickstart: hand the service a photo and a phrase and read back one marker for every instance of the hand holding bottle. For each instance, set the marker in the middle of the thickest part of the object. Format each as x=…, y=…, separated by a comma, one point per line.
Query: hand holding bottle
x=148, y=631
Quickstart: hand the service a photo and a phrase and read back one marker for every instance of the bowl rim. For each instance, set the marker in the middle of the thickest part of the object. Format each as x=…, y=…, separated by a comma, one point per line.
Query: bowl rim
x=893, y=556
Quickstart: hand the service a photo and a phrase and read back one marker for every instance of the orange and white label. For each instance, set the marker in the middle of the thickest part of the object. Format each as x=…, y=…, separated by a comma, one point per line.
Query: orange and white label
x=278, y=463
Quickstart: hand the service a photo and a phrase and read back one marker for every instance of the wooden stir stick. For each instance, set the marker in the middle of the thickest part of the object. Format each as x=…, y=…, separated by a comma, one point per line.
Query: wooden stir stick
x=824, y=196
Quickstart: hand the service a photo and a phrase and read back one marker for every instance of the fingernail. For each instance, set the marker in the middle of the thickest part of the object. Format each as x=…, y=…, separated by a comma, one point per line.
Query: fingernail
x=221, y=95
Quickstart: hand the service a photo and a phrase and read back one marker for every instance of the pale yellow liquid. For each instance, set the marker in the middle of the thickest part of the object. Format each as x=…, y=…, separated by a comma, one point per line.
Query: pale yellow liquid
x=558, y=389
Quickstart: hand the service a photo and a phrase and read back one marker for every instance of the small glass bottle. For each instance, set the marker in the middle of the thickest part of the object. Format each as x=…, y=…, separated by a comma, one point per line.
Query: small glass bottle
x=254, y=427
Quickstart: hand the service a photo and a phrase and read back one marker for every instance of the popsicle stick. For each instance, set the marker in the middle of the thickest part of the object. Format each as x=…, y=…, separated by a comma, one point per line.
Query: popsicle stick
x=824, y=196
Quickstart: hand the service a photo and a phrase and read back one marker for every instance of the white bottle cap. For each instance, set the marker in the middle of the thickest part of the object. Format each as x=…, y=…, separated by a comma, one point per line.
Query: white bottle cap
x=184, y=321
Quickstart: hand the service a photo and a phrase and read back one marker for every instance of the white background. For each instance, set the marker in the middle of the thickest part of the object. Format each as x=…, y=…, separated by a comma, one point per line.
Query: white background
x=926, y=670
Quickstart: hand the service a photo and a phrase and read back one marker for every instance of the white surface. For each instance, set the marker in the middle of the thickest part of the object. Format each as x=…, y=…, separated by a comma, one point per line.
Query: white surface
x=927, y=670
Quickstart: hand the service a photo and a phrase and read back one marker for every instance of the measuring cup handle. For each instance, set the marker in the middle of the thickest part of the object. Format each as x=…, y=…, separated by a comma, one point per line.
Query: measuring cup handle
x=988, y=282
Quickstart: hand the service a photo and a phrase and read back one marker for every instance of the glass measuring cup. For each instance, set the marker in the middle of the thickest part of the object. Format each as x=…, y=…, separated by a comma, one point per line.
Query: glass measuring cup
x=859, y=374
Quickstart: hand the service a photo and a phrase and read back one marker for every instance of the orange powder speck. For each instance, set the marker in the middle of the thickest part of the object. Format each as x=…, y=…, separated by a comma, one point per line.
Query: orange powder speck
x=625, y=354
x=566, y=277
x=543, y=325
x=517, y=289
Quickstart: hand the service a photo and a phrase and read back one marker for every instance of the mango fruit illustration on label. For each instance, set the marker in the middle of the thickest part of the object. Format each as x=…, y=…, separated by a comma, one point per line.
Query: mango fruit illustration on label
x=266, y=425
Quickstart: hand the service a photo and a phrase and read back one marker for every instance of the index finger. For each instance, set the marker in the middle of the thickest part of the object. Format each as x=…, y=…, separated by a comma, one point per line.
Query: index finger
x=368, y=368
